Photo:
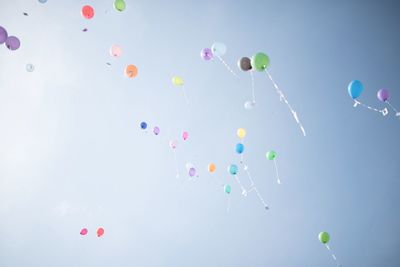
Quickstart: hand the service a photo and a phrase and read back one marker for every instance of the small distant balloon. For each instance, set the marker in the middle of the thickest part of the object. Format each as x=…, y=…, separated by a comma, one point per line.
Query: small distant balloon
x=227, y=189
x=239, y=148
x=192, y=172
x=206, y=54
x=383, y=95
x=12, y=43
x=271, y=155
x=156, y=130
x=249, y=105
x=244, y=64
x=131, y=71
x=100, y=232
x=218, y=49
x=3, y=35
x=185, y=135
x=355, y=89
x=84, y=231
x=87, y=12
x=42, y=1
x=241, y=133
x=323, y=237
x=115, y=51
x=211, y=167
x=233, y=169
x=30, y=67
x=143, y=125
x=177, y=81
x=119, y=5
x=173, y=144
x=260, y=61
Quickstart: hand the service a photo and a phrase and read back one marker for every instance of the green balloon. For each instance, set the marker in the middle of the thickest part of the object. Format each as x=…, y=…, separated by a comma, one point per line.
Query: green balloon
x=323, y=237
x=260, y=61
x=119, y=5
x=227, y=189
x=271, y=155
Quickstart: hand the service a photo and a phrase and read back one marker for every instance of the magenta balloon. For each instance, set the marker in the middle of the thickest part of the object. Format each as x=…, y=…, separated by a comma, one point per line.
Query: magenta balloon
x=206, y=54
x=12, y=43
x=3, y=35
x=383, y=95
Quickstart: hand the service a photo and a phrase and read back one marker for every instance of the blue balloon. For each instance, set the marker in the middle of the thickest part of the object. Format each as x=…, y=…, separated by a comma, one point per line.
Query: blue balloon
x=355, y=89
x=239, y=148
x=143, y=125
x=233, y=169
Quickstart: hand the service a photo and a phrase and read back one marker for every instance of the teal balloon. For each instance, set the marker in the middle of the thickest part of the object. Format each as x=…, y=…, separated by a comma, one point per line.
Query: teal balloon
x=355, y=89
x=227, y=188
x=239, y=148
x=233, y=169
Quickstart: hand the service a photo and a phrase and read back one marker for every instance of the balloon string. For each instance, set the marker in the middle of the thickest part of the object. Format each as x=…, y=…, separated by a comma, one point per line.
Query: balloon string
x=176, y=165
x=282, y=97
x=383, y=111
x=393, y=108
x=333, y=255
x=185, y=96
x=253, y=187
x=240, y=184
x=252, y=86
x=277, y=174
x=229, y=205
x=260, y=197
x=227, y=66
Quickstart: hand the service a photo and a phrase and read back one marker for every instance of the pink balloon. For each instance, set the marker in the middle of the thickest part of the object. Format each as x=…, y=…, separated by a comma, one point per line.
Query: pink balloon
x=115, y=51
x=173, y=144
x=185, y=135
x=84, y=231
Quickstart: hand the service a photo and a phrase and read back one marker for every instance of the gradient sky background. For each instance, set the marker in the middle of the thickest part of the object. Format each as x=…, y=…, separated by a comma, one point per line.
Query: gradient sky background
x=72, y=154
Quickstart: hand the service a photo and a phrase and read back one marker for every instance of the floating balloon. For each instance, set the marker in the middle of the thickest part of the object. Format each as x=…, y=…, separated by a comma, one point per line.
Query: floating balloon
x=3, y=35
x=143, y=125
x=239, y=148
x=192, y=172
x=355, y=89
x=233, y=169
x=185, y=135
x=173, y=144
x=271, y=155
x=383, y=95
x=244, y=64
x=206, y=54
x=241, y=133
x=119, y=5
x=260, y=61
x=211, y=167
x=178, y=81
x=87, y=12
x=227, y=189
x=42, y=1
x=218, y=50
x=30, y=67
x=131, y=71
x=115, y=50
x=324, y=239
x=84, y=231
x=12, y=43
x=100, y=232
x=156, y=130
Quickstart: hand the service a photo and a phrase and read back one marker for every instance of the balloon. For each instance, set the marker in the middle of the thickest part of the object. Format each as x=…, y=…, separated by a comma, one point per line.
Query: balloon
x=119, y=5
x=100, y=232
x=206, y=54
x=12, y=43
x=192, y=172
x=241, y=133
x=177, y=81
x=30, y=67
x=383, y=95
x=3, y=35
x=227, y=188
x=355, y=89
x=87, y=12
x=173, y=144
x=185, y=135
x=143, y=125
x=323, y=237
x=239, y=148
x=42, y=1
x=115, y=50
x=249, y=105
x=218, y=49
x=131, y=71
x=156, y=130
x=260, y=61
x=244, y=64
x=211, y=167
x=84, y=231
x=233, y=169
x=271, y=155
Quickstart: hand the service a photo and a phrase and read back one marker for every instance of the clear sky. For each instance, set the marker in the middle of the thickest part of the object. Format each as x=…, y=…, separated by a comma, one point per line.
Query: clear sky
x=72, y=154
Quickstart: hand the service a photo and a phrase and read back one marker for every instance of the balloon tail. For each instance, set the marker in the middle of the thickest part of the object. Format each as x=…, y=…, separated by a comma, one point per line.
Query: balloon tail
x=333, y=255
x=283, y=98
x=383, y=111
x=185, y=95
x=278, y=180
x=227, y=66
x=393, y=108
x=229, y=205
x=244, y=192
x=252, y=87
x=176, y=165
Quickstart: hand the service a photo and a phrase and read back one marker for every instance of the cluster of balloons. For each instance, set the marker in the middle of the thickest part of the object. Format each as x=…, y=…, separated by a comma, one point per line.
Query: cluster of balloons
x=131, y=71
x=11, y=42
x=218, y=50
x=355, y=88
x=99, y=232
x=156, y=129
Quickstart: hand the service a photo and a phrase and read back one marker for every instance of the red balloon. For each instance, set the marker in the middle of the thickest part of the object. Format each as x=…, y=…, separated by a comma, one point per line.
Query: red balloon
x=87, y=12
x=100, y=232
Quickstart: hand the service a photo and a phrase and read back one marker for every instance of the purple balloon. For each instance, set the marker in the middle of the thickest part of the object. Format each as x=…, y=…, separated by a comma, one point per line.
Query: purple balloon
x=383, y=95
x=156, y=130
x=12, y=43
x=3, y=35
x=206, y=54
x=192, y=172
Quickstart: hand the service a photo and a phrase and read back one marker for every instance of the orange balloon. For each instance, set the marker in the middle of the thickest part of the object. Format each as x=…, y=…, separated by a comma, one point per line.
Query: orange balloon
x=87, y=12
x=211, y=167
x=131, y=71
x=100, y=232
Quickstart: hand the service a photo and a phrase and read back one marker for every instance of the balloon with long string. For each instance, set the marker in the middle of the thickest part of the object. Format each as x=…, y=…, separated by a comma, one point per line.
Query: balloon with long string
x=260, y=62
x=324, y=239
x=355, y=88
x=173, y=145
x=244, y=64
x=271, y=155
x=178, y=81
x=383, y=95
x=219, y=50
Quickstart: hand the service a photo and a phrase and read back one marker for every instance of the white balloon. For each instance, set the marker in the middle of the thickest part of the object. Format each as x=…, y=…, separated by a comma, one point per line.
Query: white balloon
x=218, y=49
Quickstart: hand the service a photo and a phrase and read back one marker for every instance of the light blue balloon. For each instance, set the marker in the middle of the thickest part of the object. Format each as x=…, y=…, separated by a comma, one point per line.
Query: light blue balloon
x=239, y=148
x=218, y=49
x=355, y=89
x=42, y=1
x=233, y=169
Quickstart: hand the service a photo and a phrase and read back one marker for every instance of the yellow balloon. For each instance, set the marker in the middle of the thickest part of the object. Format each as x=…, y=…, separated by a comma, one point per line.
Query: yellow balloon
x=241, y=133
x=177, y=81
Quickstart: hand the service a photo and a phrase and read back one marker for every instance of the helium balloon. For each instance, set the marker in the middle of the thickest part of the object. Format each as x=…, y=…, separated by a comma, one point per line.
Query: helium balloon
x=271, y=155
x=383, y=95
x=211, y=167
x=206, y=54
x=119, y=5
x=177, y=81
x=156, y=130
x=3, y=35
x=143, y=125
x=227, y=189
x=84, y=231
x=100, y=232
x=192, y=172
x=260, y=61
x=12, y=43
x=249, y=105
x=233, y=169
x=131, y=71
x=241, y=133
x=42, y=1
x=115, y=50
x=30, y=67
x=323, y=237
x=355, y=89
x=218, y=49
x=87, y=12
x=239, y=148
x=244, y=64
x=185, y=135
x=173, y=144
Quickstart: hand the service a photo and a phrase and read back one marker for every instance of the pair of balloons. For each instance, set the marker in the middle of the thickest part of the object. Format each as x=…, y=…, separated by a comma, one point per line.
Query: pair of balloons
x=11, y=42
x=156, y=129
x=355, y=88
x=259, y=61
x=100, y=231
